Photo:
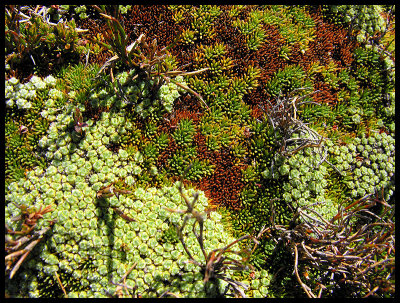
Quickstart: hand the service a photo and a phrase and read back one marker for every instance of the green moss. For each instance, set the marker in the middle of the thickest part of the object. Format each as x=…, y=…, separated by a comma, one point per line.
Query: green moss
x=128, y=143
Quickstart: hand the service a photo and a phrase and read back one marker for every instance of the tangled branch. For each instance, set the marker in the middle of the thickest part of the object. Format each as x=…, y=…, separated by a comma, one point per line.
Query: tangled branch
x=355, y=247
x=217, y=261
x=15, y=240
x=145, y=57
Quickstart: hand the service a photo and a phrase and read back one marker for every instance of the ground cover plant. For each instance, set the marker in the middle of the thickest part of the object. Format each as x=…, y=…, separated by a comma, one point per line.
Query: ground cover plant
x=200, y=151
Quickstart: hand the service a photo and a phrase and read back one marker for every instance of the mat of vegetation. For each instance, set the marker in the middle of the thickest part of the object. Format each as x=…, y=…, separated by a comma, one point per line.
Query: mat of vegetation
x=200, y=151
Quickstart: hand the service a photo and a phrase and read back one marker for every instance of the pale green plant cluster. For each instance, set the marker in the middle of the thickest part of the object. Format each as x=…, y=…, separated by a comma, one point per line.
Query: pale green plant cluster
x=367, y=19
x=365, y=166
x=91, y=243
x=81, y=10
x=169, y=92
x=146, y=96
x=89, y=231
x=21, y=95
x=89, y=159
x=307, y=182
x=369, y=164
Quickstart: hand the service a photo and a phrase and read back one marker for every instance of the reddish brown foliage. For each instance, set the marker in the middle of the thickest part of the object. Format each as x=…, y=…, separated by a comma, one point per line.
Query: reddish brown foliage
x=156, y=22
x=326, y=95
x=224, y=186
x=166, y=153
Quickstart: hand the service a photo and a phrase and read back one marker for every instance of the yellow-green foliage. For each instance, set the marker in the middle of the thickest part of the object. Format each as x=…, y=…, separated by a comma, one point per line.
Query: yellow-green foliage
x=105, y=151
x=90, y=241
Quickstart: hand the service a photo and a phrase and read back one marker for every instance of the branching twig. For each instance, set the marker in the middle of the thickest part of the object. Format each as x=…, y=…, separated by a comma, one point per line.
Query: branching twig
x=342, y=252
x=143, y=56
x=28, y=218
x=307, y=289
x=61, y=285
x=217, y=261
x=121, y=285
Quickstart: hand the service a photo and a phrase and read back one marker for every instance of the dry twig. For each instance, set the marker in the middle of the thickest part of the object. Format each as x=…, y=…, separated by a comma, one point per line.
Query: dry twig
x=334, y=248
